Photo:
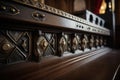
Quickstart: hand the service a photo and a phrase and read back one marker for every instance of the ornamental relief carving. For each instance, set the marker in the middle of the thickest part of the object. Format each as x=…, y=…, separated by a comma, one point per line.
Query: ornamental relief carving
x=15, y=43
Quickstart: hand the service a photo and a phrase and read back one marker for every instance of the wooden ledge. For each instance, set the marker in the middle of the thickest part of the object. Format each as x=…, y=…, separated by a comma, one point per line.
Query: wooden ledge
x=50, y=69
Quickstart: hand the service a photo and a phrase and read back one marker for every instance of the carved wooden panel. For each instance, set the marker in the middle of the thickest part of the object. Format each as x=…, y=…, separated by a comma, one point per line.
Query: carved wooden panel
x=76, y=42
x=44, y=44
x=47, y=44
x=14, y=46
x=64, y=43
x=37, y=30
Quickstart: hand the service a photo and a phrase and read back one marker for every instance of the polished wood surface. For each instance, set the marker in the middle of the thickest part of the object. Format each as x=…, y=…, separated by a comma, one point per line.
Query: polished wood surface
x=100, y=66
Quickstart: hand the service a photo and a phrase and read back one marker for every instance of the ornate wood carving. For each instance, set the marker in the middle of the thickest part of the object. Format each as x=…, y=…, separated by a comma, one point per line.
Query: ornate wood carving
x=45, y=44
x=85, y=41
x=63, y=43
x=14, y=46
x=76, y=42
x=34, y=30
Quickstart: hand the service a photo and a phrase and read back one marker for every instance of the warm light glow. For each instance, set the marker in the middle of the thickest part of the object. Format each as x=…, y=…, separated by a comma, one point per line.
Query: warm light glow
x=103, y=7
x=110, y=5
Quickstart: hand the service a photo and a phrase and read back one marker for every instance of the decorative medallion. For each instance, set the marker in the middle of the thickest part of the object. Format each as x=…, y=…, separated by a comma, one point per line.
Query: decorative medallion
x=41, y=45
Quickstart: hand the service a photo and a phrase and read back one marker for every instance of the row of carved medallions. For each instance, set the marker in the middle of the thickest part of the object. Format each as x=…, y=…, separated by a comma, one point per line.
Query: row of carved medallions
x=74, y=42
x=59, y=43
x=14, y=46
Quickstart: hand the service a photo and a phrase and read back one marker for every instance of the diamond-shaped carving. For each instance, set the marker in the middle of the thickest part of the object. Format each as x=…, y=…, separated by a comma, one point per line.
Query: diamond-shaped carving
x=42, y=44
x=53, y=41
x=15, y=46
x=51, y=49
x=62, y=45
x=24, y=42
